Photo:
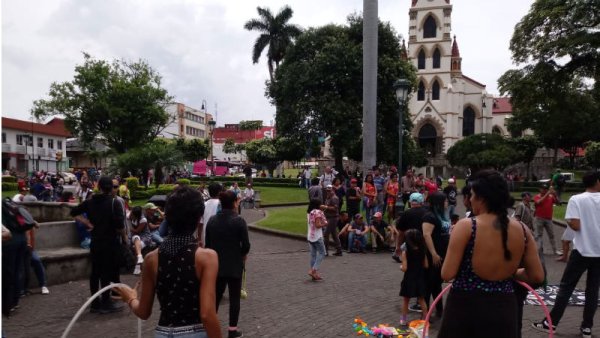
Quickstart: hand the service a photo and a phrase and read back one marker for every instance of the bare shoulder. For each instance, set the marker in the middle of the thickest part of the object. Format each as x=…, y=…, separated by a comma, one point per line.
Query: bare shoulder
x=462, y=227
x=206, y=255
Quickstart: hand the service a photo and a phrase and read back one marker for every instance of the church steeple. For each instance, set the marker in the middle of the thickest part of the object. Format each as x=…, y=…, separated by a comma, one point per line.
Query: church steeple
x=455, y=60
x=403, y=53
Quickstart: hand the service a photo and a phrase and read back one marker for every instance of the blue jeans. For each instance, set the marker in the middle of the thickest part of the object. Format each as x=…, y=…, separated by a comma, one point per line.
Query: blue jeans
x=362, y=239
x=307, y=183
x=32, y=258
x=451, y=209
x=156, y=236
x=191, y=331
x=163, y=229
x=317, y=252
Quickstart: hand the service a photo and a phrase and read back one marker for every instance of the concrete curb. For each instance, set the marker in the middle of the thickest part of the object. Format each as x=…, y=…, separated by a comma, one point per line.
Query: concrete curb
x=273, y=205
x=254, y=227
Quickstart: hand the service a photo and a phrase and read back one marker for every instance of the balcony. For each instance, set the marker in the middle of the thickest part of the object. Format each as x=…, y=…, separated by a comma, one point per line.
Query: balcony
x=40, y=152
x=20, y=149
x=6, y=147
x=51, y=153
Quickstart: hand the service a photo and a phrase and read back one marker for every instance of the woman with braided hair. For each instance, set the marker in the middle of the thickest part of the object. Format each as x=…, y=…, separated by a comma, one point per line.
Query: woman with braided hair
x=485, y=254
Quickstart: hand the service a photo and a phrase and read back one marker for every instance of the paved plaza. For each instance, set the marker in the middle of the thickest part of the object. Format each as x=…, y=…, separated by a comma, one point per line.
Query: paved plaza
x=282, y=301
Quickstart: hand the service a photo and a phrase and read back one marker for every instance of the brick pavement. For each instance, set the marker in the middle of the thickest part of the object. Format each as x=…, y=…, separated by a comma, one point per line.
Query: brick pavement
x=282, y=301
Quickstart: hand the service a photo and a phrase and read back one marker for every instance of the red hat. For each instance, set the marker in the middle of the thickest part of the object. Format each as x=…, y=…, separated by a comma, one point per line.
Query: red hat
x=353, y=180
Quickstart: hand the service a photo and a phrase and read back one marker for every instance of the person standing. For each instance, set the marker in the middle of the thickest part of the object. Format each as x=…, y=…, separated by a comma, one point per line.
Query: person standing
x=248, y=173
x=414, y=266
x=411, y=219
x=105, y=221
x=379, y=183
x=583, y=216
x=316, y=222
x=407, y=186
x=327, y=178
x=353, y=198
x=211, y=207
x=227, y=234
x=544, y=205
x=558, y=182
x=332, y=213
x=315, y=191
x=392, y=187
x=307, y=174
x=451, y=193
x=523, y=211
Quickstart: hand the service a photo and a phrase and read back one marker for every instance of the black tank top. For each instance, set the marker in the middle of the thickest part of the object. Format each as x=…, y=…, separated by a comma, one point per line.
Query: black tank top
x=177, y=287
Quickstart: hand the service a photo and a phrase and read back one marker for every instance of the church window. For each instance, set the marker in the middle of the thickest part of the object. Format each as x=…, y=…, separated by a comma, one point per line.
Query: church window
x=468, y=121
x=496, y=130
x=428, y=140
x=436, y=58
x=429, y=27
x=421, y=92
x=435, y=90
x=421, y=60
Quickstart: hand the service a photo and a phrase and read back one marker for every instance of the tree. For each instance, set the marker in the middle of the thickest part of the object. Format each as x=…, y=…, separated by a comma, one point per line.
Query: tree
x=482, y=151
x=276, y=33
x=264, y=153
x=250, y=125
x=592, y=154
x=193, y=150
x=527, y=147
x=229, y=147
x=120, y=102
x=290, y=149
x=318, y=89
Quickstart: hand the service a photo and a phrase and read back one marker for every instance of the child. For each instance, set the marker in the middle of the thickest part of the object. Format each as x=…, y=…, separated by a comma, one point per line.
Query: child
x=316, y=223
x=140, y=236
x=414, y=266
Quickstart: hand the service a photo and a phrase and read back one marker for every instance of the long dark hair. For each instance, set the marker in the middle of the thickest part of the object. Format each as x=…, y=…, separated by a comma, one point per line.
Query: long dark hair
x=136, y=214
x=492, y=189
x=436, y=205
x=367, y=178
x=313, y=204
x=415, y=243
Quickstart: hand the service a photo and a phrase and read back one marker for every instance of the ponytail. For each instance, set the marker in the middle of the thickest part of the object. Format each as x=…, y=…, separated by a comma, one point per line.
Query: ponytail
x=503, y=220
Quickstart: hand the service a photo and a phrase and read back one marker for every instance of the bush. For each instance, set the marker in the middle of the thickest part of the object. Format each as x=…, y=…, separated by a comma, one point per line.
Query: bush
x=132, y=183
x=9, y=186
x=183, y=181
x=9, y=179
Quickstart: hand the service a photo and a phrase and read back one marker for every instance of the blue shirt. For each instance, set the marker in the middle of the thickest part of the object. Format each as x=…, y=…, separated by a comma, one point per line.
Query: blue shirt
x=379, y=182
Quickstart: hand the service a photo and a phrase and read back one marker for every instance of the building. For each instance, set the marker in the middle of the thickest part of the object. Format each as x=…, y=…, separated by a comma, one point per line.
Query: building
x=233, y=131
x=448, y=105
x=81, y=157
x=29, y=146
x=187, y=122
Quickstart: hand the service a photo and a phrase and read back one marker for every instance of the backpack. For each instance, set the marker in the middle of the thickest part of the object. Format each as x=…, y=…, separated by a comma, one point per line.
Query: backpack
x=17, y=217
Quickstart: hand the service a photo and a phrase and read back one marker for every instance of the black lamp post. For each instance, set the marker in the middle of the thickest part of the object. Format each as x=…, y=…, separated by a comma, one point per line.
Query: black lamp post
x=402, y=88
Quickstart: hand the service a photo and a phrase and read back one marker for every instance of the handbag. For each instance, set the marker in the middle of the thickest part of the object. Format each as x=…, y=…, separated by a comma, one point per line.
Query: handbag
x=244, y=292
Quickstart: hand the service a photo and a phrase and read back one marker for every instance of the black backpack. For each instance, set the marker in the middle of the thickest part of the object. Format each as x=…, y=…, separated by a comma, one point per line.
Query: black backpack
x=16, y=217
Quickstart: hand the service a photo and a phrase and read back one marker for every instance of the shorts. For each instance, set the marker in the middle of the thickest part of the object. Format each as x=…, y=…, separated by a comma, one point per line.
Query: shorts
x=568, y=235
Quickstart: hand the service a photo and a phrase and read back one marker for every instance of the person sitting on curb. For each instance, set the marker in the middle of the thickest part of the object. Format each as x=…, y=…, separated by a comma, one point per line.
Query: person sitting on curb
x=154, y=217
x=139, y=236
x=381, y=233
x=358, y=231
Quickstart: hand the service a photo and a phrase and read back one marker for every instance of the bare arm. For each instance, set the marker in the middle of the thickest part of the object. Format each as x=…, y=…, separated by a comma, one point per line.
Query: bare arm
x=404, y=266
x=456, y=247
x=532, y=272
x=207, y=266
x=574, y=223
x=142, y=306
x=427, y=231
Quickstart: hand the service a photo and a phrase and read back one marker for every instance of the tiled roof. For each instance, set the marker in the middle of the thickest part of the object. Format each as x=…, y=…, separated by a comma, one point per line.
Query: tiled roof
x=54, y=127
x=502, y=105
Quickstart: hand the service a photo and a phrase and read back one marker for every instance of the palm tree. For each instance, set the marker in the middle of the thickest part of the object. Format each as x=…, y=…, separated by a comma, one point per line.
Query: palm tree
x=275, y=33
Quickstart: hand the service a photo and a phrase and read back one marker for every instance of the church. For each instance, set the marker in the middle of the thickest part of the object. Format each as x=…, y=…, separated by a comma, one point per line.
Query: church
x=448, y=104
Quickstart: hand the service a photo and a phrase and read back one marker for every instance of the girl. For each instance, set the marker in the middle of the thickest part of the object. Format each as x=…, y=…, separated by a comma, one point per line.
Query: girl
x=340, y=192
x=316, y=223
x=392, y=193
x=139, y=236
x=414, y=265
x=369, y=195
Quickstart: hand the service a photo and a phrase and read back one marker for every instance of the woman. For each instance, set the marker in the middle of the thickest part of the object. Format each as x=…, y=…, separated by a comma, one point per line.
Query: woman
x=339, y=190
x=182, y=275
x=369, y=195
x=391, y=190
x=139, y=235
x=316, y=223
x=483, y=257
x=436, y=230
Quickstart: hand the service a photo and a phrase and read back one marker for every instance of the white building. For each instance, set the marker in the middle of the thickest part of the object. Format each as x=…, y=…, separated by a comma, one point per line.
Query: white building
x=29, y=146
x=188, y=122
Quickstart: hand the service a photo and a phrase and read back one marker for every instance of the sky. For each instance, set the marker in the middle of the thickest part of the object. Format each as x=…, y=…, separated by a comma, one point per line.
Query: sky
x=202, y=50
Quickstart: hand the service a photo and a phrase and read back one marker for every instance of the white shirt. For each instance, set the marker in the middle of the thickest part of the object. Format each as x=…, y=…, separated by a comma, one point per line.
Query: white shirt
x=210, y=209
x=307, y=173
x=249, y=193
x=314, y=233
x=327, y=179
x=18, y=198
x=586, y=208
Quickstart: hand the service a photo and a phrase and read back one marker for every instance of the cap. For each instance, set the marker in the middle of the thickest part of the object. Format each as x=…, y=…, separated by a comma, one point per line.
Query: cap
x=357, y=216
x=377, y=215
x=416, y=197
x=149, y=206
x=329, y=187
x=525, y=194
x=353, y=180
x=544, y=186
x=450, y=180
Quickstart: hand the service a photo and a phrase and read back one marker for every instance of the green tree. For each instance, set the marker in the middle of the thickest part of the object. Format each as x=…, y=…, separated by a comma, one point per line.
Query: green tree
x=483, y=151
x=121, y=102
x=264, y=153
x=527, y=147
x=318, y=89
x=251, y=125
x=592, y=154
x=276, y=33
x=193, y=150
x=229, y=147
x=290, y=149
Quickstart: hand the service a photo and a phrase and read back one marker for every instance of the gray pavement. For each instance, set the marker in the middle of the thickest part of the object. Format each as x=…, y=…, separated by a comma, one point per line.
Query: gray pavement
x=282, y=301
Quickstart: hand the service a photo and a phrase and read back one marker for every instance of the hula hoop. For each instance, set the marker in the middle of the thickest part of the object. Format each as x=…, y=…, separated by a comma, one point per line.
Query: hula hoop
x=525, y=285
x=89, y=301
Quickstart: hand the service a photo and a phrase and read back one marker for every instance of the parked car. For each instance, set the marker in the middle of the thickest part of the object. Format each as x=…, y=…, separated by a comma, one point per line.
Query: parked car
x=569, y=177
x=68, y=177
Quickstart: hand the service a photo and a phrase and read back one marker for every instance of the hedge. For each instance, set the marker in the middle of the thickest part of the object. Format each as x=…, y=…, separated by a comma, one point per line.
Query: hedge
x=183, y=181
x=9, y=186
x=9, y=179
x=165, y=189
x=132, y=184
x=569, y=187
x=243, y=179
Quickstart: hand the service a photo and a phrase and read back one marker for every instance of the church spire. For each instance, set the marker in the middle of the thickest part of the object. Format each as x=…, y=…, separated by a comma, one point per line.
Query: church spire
x=455, y=51
x=403, y=53
x=455, y=60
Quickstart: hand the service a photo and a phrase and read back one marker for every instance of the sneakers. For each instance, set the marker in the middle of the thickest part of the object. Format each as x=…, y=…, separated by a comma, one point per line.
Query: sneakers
x=415, y=308
x=140, y=259
x=235, y=334
x=543, y=326
x=45, y=291
x=558, y=252
x=137, y=270
x=586, y=332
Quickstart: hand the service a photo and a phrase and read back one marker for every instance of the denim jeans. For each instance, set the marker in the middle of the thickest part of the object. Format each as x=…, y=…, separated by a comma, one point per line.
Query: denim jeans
x=156, y=236
x=317, y=252
x=451, y=209
x=539, y=224
x=163, y=229
x=362, y=239
x=576, y=266
x=32, y=259
x=192, y=331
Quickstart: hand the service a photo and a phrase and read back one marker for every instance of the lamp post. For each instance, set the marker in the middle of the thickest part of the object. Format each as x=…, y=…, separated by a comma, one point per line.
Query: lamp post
x=402, y=88
x=211, y=127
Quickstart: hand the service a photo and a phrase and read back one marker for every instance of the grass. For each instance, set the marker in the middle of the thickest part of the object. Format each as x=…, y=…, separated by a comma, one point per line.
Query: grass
x=271, y=195
x=291, y=220
x=9, y=193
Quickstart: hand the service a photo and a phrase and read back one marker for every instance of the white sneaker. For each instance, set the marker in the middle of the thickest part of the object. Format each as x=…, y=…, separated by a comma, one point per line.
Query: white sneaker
x=138, y=269
x=558, y=252
x=140, y=259
x=45, y=291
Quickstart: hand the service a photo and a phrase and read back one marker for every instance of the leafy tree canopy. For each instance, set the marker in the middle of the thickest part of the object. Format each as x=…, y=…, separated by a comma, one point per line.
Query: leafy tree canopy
x=121, y=102
x=263, y=152
x=592, y=154
x=251, y=125
x=483, y=151
x=193, y=150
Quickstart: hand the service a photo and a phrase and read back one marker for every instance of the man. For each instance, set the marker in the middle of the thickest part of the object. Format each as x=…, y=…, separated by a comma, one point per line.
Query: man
x=420, y=183
x=332, y=213
x=248, y=196
x=327, y=177
x=430, y=187
x=105, y=221
x=307, y=174
x=315, y=191
x=343, y=221
x=379, y=183
x=558, y=181
x=583, y=217
x=23, y=191
x=123, y=233
x=353, y=198
x=357, y=231
x=248, y=173
x=211, y=207
x=544, y=205
x=227, y=234
x=381, y=232
x=451, y=192
x=407, y=186
x=155, y=217
x=523, y=211
x=411, y=219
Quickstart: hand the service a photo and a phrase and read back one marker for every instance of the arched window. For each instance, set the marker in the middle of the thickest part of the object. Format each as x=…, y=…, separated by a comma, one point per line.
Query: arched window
x=435, y=90
x=468, y=121
x=496, y=130
x=429, y=27
x=428, y=139
x=421, y=92
x=436, y=58
x=421, y=60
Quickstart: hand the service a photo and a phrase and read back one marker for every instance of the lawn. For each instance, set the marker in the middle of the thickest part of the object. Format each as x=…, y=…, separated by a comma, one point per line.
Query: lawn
x=272, y=195
x=291, y=220
x=8, y=193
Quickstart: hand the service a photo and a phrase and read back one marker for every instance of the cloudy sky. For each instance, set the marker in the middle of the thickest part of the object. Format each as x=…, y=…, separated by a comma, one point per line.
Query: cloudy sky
x=200, y=47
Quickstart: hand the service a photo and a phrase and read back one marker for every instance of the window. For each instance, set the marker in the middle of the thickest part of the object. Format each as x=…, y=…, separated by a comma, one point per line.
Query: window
x=468, y=121
x=3, y=137
x=59, y=144
x=496, y=130
x=201, y=134
x=201, y=120
x=436, y=58
x=421, y=60
x=24, y=139
x=429, y=27
x=40, y=142
x=435, y=90
x=421, y=92
x=50, y=143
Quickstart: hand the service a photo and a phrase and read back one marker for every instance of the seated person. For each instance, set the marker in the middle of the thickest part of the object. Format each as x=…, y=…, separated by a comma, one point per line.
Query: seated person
x=248, y=195
x=139, y=236
x=154, y=217
x=358, y=231
x=343, y=225
x=382, y=234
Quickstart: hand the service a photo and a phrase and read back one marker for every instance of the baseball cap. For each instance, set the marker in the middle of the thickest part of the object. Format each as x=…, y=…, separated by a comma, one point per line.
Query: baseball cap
x=357, y=216
x=377, y=215
x=416, y=197
x=149, y=205
x=525, y=194
x=544, y=186
x=329, y=187
x=353, y=180
x=450, y=180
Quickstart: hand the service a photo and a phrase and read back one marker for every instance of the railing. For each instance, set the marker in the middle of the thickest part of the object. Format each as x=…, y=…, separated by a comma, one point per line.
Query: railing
x=20, y=149
x=6, y=147
x=40, y=152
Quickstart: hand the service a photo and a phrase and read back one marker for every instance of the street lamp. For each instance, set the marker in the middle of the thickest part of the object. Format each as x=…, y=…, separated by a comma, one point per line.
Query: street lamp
x=402, y=88
x=211, y=128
